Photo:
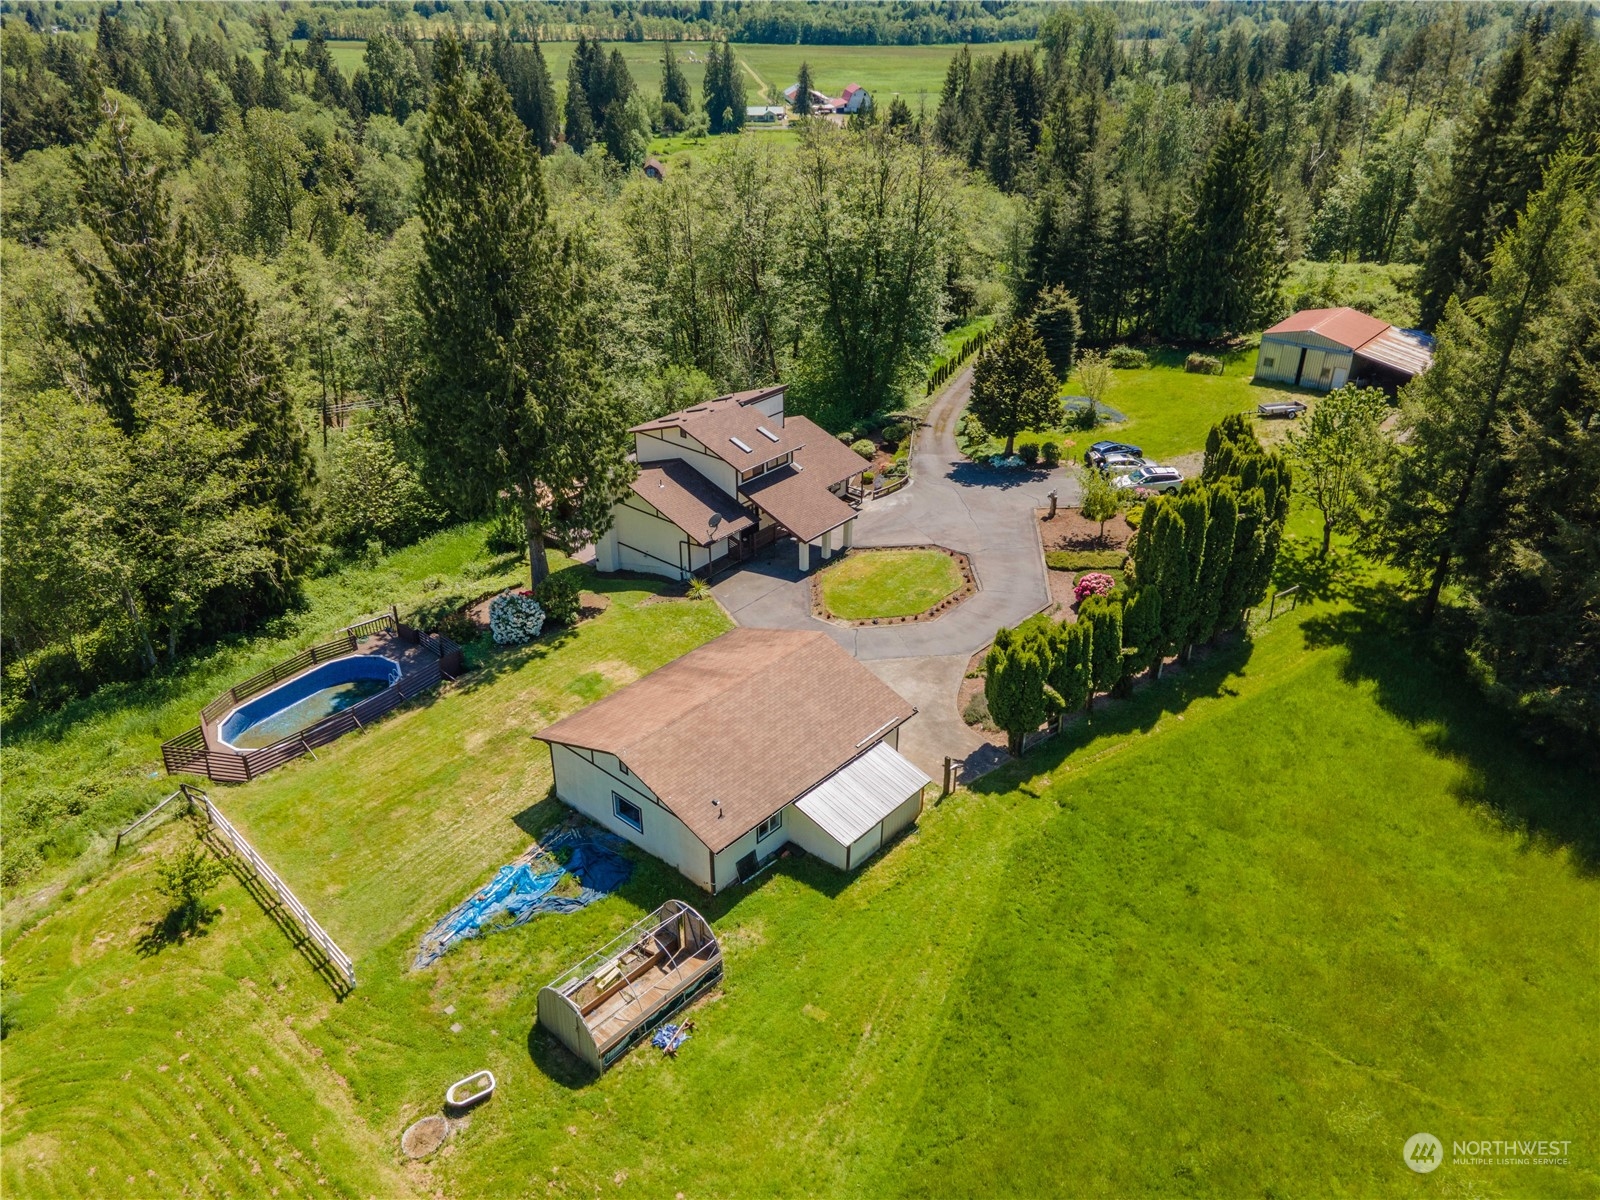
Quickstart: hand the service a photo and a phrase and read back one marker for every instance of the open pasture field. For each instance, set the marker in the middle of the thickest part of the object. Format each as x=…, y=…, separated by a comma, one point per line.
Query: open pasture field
x=915, y=72
x=1292, y=906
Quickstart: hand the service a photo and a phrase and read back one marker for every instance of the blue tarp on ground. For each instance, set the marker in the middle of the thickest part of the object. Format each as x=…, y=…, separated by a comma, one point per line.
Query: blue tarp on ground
x=670, y=1037
x=521, y=890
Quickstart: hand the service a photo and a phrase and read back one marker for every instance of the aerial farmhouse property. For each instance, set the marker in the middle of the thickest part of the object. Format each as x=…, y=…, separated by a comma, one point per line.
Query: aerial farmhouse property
x=759, y=738
x=721, y=480
x=1325, y=348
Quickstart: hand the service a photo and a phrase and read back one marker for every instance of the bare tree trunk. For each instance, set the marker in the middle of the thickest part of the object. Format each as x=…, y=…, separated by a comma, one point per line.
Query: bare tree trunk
x=538, y=562
x=138, y=624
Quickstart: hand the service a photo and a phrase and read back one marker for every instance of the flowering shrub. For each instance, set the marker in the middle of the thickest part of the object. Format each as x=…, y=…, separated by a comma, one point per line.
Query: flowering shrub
x=1095, y=583
x=515, y=618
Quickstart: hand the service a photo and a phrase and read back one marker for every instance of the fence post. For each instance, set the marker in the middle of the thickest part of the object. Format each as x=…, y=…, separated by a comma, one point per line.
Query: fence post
x=949, y=766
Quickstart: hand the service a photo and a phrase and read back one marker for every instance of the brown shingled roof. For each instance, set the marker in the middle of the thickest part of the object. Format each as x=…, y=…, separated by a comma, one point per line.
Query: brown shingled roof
x=754, y=720
x=825, y=458
x=802, y=505
x=689, y=500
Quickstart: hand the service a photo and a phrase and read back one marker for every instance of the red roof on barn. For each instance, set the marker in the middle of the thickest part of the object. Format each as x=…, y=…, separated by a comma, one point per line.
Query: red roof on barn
x=1346, y=326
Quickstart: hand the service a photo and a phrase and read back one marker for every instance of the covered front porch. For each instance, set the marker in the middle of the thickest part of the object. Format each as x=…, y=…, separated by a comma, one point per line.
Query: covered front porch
x=790, y=504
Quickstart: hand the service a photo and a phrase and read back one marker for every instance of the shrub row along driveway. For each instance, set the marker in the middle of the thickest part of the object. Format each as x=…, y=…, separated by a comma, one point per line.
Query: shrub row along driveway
x=951, y=502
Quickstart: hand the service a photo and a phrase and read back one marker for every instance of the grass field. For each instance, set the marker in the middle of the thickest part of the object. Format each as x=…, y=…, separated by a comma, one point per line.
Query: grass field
x=1243, y=934
x=96, y=764
x=914, y=72
x=888, y=583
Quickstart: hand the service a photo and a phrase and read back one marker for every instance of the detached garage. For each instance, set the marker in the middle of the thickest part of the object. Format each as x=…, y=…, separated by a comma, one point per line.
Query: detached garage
x=1325, y=348
x=760, y=738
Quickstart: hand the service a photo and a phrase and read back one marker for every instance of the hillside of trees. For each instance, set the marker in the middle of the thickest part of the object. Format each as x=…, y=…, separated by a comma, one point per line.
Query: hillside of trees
x=243, y=290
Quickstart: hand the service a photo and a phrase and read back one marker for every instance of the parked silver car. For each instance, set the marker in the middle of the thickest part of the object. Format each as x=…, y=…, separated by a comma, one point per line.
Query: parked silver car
x=1152, y=478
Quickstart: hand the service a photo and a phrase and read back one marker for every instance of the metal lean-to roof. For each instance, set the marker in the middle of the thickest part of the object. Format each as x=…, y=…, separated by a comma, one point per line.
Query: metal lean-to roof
x=1399, y=349
x=859, y=795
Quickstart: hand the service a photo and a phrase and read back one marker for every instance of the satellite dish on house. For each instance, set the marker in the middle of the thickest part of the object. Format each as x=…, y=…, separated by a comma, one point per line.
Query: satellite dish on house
x=716, y=519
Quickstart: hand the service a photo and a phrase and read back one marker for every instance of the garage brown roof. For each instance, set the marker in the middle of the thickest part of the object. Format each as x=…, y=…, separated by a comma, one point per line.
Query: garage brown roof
x=689, y=500
x=800, y=503
x=825, y=458
x=753, y=720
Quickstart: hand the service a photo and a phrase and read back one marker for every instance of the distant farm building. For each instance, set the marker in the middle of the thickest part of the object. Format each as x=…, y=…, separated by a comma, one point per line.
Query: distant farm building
x=853, y=99
x=655, y=169
x=757, y=739
x=1325, y=348
x=820, y=104
x=766, y=114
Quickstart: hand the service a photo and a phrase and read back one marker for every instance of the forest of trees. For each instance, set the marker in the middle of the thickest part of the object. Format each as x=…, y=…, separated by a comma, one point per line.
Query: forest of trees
x=261, y=315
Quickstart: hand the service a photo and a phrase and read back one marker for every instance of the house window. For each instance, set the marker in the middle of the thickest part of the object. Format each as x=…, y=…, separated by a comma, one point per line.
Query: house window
x=627, y=812
x=1269, y=363
x=770, y=826
x=623, y=767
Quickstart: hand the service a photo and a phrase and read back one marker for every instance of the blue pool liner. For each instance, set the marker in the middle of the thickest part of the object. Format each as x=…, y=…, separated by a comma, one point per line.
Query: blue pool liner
x=521, y=890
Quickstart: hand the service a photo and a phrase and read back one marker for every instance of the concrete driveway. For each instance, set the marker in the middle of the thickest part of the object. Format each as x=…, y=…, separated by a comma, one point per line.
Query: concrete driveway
x=950, y=502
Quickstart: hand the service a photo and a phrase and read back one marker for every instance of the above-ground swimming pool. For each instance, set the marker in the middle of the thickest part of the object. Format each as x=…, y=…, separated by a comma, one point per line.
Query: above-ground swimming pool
x=306, y=699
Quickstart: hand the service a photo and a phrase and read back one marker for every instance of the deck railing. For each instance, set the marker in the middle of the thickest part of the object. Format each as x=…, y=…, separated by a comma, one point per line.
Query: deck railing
x=189, y=753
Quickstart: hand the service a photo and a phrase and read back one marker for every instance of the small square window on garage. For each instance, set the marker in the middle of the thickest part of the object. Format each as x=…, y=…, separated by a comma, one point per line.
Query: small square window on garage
x=627, y=812
x=1269, y=362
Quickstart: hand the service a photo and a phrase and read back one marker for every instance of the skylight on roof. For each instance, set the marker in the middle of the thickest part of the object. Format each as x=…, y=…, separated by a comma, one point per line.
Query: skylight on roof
x=767, y=433
x=741, y=445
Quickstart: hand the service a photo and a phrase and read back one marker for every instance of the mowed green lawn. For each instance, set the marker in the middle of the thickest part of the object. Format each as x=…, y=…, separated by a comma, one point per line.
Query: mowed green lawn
x=888, y=583
x=1170, y=411
x=1241, y=935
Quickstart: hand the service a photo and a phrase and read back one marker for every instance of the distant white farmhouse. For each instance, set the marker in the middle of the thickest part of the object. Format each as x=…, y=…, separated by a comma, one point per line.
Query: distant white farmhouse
x=760, y=738
x=766, y=114
x=727, y=478
x=1325, y=348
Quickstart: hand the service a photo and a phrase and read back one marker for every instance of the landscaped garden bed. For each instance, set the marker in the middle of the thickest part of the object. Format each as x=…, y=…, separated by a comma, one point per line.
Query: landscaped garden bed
x=892, y=585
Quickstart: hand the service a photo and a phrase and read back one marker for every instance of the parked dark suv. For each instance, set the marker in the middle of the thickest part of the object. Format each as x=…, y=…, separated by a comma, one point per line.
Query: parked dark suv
x=1095, y=455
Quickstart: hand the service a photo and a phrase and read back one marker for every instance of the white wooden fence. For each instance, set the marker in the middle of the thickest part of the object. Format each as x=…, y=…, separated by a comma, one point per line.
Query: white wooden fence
x=239, y=845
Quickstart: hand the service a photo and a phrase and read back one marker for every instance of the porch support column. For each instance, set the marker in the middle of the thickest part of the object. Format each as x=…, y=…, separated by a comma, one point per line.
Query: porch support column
x=827, y=545
x=805, y=556
x=605, y=552
x=849, y=533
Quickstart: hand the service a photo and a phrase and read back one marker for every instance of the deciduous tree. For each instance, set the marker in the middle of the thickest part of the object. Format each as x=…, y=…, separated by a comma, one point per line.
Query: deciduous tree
x=1339, y=456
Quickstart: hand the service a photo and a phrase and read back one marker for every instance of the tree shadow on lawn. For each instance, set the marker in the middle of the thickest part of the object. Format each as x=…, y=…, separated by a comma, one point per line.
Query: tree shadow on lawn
x=971, y=474
x=1204, y=678
x=1552, y=803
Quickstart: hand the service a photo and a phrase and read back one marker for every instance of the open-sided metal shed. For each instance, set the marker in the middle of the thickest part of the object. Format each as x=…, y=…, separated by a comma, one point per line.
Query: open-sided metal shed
x=599, y=1008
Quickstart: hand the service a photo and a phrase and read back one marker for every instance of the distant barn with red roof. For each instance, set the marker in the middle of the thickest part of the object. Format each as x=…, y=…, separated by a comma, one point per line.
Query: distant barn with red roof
x=1325, y=348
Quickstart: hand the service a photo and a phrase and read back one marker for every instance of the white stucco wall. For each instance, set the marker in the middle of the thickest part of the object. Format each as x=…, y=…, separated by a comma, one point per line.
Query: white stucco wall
x=641, y=537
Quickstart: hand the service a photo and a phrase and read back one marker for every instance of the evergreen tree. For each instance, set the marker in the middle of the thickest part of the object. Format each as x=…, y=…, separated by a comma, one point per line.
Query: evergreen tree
x=802, y=92
x=274, y=85
x=1228, y=260
x=1054, y=316
x=1104, y=615
x=1013, y=387
x=677, y=102
x=1160, y=562
x=511, y=399
x=1183, y=621
x=1447, y=498
x=579, y=123
x=1014, y=686
x=165, y=308
x=900, y=119
x=1250, y=568
x=1461, y=223
x=1141, y=630
x=1222, y=524
x=1070, y=663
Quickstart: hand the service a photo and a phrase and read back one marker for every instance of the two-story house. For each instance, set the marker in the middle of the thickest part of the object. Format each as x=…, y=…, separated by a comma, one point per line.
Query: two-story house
x=721, y=480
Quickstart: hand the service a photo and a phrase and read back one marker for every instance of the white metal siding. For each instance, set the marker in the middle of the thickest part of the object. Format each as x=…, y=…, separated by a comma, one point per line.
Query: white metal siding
x=812, y=838
x=666, y=444
x=860, y=795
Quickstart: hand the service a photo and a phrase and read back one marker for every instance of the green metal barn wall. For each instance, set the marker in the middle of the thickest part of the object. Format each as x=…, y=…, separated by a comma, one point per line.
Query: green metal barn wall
x=1321, y=355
